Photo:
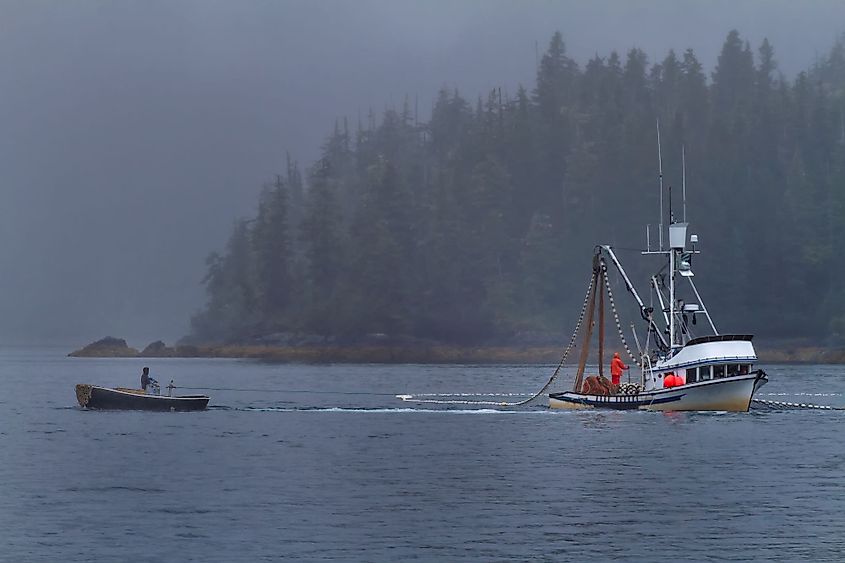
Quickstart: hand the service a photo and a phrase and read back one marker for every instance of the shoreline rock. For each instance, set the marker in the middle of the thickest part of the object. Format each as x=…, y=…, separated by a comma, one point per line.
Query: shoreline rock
x=158, y=349
x=108, y=347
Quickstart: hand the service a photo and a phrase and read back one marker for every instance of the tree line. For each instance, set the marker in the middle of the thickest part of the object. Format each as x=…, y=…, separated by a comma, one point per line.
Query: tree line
x=479, y=223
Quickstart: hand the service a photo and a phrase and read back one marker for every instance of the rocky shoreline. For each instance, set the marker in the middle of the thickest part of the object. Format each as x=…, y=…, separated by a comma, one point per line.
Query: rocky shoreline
x=111, y=347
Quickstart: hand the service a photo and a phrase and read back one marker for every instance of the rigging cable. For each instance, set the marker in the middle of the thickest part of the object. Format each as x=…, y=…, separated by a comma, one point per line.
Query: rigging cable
x=542, y=389
x=616, y=316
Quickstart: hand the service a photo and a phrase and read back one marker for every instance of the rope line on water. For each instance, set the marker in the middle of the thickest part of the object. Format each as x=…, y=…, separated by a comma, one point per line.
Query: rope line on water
x=568, y=347
x=285, y=391
x=323, y=392
x=410, y=398
x=469, y=394
x=802, y=394
x=413, y=398
x=788, y=405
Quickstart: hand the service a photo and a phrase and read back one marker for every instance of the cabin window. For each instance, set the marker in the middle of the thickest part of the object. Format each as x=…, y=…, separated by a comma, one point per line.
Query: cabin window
x=718, y=372
x=744, y=369
x=733, y=369
x=704, y=373
x=692, y=374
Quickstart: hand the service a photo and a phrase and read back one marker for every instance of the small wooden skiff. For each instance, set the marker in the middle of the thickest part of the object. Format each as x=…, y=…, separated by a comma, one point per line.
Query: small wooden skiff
x=94, y=397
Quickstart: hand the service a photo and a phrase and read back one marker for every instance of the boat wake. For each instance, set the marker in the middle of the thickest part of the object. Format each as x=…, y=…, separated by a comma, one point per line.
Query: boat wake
x=479, y=399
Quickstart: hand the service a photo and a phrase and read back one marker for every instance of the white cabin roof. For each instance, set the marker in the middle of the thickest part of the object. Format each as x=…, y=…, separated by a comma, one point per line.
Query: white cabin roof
x=718, y=349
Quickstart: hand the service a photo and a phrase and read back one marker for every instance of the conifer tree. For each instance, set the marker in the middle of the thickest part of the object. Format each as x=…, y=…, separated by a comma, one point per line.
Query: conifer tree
x=271, y=246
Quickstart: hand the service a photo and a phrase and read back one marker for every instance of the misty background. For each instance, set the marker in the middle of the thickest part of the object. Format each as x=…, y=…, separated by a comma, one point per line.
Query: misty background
x=133, y=134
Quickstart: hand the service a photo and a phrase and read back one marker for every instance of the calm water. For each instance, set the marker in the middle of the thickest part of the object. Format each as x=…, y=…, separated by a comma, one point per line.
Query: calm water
x=361, y=476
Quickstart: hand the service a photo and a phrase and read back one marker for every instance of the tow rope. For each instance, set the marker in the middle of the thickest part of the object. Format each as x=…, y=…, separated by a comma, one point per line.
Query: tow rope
x=316, y=392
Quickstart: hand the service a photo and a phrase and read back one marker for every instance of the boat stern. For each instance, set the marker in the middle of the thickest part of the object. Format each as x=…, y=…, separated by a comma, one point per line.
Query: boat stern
x=83, y=394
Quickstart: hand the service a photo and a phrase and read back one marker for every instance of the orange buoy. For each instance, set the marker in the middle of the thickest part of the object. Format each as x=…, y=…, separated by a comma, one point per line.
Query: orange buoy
x=669, y=380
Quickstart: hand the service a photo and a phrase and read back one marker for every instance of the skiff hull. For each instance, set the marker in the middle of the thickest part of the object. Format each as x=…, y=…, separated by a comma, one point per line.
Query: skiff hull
x=93, y=397
x=727, y=394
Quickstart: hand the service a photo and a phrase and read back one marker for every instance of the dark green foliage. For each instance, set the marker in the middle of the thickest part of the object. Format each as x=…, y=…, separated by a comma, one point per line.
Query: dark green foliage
x=378, y=280
x=232, y=311
x=480, y=222
x=324, y=242
x=272, y=252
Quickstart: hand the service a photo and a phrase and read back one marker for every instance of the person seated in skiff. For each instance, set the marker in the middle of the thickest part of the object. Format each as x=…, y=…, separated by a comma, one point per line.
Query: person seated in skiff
x=616, y=369
x=145, y=379
x=148, y=382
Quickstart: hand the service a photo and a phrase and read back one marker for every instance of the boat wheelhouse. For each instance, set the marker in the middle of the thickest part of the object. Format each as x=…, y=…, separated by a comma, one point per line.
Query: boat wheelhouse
x=710, y=357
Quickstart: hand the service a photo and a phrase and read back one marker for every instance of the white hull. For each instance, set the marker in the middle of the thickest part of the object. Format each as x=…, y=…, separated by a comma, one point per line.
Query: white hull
x=727, y=394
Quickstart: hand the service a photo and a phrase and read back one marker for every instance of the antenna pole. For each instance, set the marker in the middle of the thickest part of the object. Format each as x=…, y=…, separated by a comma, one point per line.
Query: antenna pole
x=684, y=179
x=671, y=300
x=671, y=216
x=660, y=178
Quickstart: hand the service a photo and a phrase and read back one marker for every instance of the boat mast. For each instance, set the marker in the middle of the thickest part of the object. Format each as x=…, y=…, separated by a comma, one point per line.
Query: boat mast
x=671, y=295
x=660, y=180
x=679, y=264
x=684, y=179
x=677, y=244
x=671, y=277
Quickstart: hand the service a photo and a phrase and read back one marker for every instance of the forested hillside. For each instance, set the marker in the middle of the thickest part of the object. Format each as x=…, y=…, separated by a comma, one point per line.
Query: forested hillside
x=480, y=222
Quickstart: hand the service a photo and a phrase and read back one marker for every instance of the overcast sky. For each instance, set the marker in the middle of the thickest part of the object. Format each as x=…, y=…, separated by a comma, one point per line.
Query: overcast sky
x=133, y=133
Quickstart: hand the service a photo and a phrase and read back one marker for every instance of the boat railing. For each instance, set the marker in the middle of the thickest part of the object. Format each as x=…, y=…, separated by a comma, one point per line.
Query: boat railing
x=645, y=368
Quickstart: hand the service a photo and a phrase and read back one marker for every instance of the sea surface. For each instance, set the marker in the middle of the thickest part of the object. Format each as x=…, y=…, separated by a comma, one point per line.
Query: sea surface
x=323, y=462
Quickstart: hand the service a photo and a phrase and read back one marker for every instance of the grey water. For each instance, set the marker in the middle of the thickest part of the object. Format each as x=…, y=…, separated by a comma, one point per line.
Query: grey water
x=323, y=462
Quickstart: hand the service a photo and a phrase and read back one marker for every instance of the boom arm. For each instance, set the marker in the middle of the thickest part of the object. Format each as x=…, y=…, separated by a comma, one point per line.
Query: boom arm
x=644, y=311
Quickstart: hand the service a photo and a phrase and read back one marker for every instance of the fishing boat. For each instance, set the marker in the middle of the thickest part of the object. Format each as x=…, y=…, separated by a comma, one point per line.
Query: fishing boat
x=120, y=398
x=678, y=370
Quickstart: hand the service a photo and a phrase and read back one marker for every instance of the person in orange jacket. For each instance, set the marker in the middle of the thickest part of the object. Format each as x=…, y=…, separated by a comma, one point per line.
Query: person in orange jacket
x=616, y=368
